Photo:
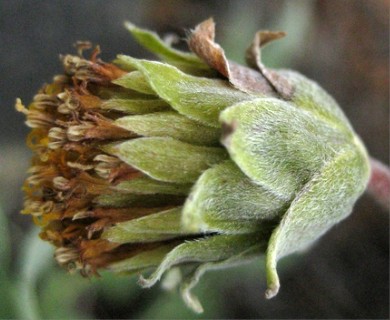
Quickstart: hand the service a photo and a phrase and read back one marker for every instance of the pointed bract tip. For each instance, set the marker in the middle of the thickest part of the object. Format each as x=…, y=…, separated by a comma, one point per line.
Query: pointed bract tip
x=129, y=25
x=272, y=291
x=145, y=283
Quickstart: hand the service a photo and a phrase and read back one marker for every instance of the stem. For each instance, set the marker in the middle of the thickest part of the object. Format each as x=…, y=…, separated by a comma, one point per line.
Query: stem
x=379, y=184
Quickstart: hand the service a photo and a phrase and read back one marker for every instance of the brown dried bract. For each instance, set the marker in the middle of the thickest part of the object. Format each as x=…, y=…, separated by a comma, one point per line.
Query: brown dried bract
x=261, y=39
x=253, y=59
x=201, y=42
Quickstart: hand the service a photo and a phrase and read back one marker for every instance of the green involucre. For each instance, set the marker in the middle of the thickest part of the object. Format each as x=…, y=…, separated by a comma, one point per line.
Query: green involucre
x=227, y=201
x=198, y=98
x=171, y=124
x=167, y=159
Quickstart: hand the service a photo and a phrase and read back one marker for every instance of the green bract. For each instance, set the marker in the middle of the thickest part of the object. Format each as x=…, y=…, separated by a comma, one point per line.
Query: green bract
x=193, y=162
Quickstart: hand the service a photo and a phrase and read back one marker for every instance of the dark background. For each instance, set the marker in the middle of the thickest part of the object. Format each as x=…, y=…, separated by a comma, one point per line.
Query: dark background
x=344, y=45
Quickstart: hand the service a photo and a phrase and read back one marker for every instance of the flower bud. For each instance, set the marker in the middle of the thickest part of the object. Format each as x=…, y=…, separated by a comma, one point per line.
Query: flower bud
x=193, y=162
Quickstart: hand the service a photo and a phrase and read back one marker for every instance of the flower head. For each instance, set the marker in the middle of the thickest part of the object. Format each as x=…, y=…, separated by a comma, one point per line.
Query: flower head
x=194, y=162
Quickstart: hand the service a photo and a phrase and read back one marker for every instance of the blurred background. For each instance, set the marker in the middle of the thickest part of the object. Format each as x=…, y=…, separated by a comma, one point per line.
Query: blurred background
x=344, y=45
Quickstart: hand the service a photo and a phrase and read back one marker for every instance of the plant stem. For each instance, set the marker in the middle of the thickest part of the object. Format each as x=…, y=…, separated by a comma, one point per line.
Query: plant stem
x=379, y=184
